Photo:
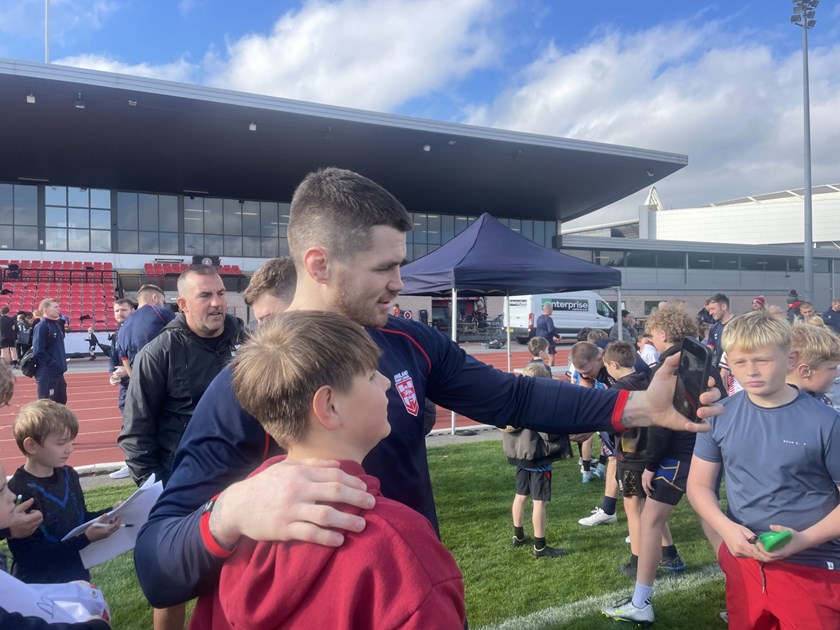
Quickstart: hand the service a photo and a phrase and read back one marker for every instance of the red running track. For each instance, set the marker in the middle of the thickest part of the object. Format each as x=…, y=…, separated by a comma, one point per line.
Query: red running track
x=95, y=403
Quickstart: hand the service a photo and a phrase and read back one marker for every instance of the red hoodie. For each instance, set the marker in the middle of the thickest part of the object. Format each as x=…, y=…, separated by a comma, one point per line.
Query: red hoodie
x=394, y=574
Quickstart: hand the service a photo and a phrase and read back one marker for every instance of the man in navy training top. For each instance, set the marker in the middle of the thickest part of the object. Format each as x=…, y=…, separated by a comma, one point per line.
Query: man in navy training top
x=347, y=239
x=143, y=325
x=48, y=350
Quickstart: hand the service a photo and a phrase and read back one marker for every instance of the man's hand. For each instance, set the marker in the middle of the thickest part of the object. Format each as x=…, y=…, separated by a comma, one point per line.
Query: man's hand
x=117, y=375
x=798, y=542
x=286, y=502
x=25, y=523
x=658, y=401
x=737, y=538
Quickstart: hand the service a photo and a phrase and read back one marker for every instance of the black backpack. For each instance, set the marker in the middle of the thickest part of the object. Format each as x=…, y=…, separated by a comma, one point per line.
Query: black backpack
x=27, y=364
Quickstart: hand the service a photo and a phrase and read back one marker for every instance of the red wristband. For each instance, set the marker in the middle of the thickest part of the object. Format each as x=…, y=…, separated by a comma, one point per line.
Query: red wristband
x=207, y=537
x=618, y=410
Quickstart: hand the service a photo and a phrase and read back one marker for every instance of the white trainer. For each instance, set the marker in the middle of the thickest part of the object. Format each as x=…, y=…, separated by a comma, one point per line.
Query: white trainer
x=122, y=473
x=598, y=517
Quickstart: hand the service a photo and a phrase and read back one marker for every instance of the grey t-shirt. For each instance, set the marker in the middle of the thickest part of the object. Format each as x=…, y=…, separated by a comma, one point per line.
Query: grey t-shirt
x=782, y=466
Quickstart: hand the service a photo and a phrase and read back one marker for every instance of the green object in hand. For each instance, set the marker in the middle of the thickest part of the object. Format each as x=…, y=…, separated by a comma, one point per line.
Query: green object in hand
x=775, y=540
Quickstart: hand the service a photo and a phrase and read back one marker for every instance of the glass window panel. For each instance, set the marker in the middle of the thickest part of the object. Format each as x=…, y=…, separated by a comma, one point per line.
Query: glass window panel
x=550, y=232
x=461, y=224
x=409, y=252
x=233, y=245
x=213, y=219
x=78, y=218
x=100, y=240
x=778, y=263
x=251, y=246
x=753, y=263
x=26, y=205
x=539, y=233
x=609, y=258
x=168, y=243
x=26, y=237
x=213, y=245
x=127, y=211
x=283, y=247
x=251, y=219
x=528, y=230
x=420, y=251
x=670, y=260
x=516, y=225
x=56, y=239
x=583, y=254
x=641, y=259
x=284, y=209
x=725, y=261
x=100, y=198
x=421, y=224
x=193, y=215
x=233, y=217
x=795, y=264
x=820, y=265
x=149, y=242
x=7, y=206
x=447, y=228
x=433, y=229
x=127, y=242
x=78, y=240
x=193, y=244
x=56, y=195
x=148, y=214
x=7, y=240
x=56, y=217
x=168, y=209
x=269, y=217
x=100, y=219
x=79, y=197
x=270, y=247
x=700, y=261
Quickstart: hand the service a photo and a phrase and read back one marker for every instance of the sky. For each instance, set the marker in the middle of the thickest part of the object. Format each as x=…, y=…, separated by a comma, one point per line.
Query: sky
x=719, y=82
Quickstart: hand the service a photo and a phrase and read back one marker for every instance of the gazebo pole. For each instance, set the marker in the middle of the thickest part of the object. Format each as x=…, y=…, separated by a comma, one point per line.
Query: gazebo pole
x=507, y=325
x=454, y=336
x=618, y=314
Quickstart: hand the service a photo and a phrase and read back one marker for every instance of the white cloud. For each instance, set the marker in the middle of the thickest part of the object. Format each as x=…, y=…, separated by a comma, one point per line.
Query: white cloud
x=732, y=104
x=68, y=18
x=372, y=54
x=180, y=70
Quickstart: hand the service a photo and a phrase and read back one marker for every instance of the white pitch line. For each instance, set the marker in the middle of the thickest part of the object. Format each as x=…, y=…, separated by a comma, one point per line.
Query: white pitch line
x=558, y=615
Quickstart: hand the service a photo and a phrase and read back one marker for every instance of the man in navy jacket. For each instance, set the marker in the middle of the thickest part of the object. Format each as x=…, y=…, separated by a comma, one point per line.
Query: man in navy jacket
x=347, y=239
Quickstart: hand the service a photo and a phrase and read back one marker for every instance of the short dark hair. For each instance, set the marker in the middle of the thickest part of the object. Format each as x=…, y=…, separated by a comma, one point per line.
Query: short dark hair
x=125, y=302
x=288, y=358
x=624, y=313
x=620, y=352
x=718, y=298
x=276, y=277
x=4, y=310
x=336, y=209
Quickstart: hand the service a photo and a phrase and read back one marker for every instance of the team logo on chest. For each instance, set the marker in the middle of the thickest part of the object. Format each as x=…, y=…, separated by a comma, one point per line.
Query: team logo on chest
x=405, y=387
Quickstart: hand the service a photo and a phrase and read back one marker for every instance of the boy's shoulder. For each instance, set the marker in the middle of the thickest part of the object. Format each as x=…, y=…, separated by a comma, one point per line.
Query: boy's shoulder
x=800, y=406
x=634, y=382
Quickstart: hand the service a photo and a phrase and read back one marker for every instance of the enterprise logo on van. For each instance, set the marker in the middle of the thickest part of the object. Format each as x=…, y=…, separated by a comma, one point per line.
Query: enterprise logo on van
x=568, y=305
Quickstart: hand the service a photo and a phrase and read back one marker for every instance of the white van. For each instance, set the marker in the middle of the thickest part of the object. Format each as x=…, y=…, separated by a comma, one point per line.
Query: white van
x=572, y=312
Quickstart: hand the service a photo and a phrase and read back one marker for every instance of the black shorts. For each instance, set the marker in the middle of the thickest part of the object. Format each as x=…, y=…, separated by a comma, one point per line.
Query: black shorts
x=630, y=482
x=535, y=484
x=8, y=343
x=669, y=481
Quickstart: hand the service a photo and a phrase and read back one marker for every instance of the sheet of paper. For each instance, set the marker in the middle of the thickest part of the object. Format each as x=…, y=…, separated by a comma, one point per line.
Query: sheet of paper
x=28, y=600
x=134, y=511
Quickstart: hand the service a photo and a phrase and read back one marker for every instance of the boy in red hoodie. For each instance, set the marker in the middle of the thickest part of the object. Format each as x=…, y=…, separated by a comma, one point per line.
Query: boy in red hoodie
x=311, y=379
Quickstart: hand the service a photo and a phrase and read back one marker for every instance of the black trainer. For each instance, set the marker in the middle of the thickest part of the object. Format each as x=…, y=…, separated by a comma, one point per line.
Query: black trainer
x=549, y=552
x=521, y=542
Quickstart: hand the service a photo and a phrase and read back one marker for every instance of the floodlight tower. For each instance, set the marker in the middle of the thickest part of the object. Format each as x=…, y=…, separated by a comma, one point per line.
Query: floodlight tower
x=803, y=16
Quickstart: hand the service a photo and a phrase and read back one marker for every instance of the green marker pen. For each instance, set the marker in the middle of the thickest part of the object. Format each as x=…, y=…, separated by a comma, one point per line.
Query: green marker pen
x=19, y=499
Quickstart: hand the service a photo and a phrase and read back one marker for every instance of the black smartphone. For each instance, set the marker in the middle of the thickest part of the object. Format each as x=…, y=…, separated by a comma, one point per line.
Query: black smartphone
x=692, y=377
